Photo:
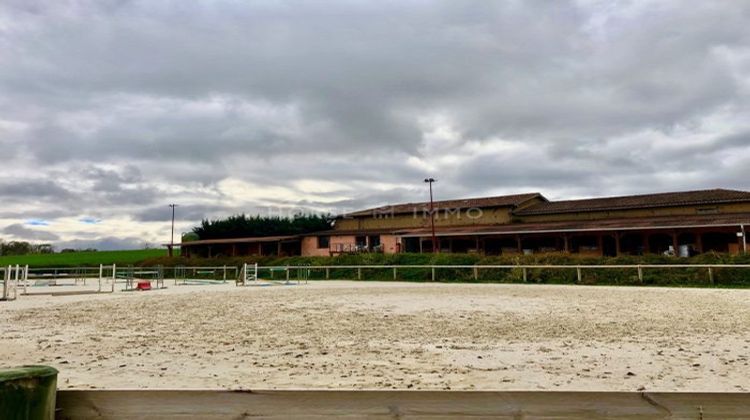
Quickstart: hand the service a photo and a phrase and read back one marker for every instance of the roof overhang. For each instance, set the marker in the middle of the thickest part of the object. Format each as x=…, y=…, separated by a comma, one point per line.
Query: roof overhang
x=256, y=239
x=645, y=224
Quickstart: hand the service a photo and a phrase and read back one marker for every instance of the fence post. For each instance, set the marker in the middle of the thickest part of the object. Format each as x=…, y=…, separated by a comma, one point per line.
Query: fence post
x=640, y=274
x=433, y=273
x=6, y=285
x=394, y=273
x=578, y=272
x=225, y=273
x=359, y=273
x=25, y=279
x=18, y=277
x=476, y=273
x=328, y=273
x=525, y=275
x=711, y=275
x=287, y=273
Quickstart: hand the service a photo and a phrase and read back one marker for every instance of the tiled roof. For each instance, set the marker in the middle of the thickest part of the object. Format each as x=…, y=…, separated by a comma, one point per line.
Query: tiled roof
x=622, y=224
x=349, y=232
x=254, y=239
x=499, y=201
x=687, y=198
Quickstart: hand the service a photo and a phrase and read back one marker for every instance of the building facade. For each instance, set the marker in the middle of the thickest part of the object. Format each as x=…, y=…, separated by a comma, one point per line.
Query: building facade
x=679, y=223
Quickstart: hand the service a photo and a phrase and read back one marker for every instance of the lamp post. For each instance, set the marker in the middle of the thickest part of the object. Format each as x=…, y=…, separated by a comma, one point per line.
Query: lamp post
x=435, y=247
x=171, y=242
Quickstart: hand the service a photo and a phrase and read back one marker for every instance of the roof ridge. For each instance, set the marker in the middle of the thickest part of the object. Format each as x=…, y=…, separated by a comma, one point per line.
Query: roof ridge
x=529, y=195
x=649, y=194
x=465, y=199
x=652, y=200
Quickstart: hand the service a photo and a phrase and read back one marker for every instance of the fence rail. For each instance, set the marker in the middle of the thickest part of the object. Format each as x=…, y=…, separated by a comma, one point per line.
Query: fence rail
x=206, y=404
x=184, y=275
x=524, y=269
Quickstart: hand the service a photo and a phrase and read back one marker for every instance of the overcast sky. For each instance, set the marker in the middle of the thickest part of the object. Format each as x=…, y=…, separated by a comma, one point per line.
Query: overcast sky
x=111, y=110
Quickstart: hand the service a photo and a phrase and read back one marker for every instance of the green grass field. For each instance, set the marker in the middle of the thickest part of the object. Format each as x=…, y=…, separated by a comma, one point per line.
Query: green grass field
x=83, y=258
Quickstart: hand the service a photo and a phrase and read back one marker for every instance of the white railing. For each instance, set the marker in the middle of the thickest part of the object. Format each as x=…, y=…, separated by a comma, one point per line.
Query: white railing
x=248, y=275
x=108, y=275
x=524, y=268
x=12, y=276
x=184, y=275
x=68, y=279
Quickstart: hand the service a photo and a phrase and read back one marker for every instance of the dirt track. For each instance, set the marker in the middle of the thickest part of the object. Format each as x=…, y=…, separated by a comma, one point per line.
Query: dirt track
x=388, y=335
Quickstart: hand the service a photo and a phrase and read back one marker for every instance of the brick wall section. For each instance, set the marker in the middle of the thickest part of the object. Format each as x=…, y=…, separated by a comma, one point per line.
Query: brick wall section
x=390, y=244
x=310, y=244
x=310, y=247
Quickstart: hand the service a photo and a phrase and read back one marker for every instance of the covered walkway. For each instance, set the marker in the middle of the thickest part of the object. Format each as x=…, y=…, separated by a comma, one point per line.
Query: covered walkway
x=684, y=236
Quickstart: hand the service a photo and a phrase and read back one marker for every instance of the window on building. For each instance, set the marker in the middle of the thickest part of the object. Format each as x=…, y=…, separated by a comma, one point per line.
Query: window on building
x=324, y=241
x=374, y=241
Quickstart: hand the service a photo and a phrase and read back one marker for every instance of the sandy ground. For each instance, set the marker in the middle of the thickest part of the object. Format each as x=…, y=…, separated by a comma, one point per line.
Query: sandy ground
x=372, y=335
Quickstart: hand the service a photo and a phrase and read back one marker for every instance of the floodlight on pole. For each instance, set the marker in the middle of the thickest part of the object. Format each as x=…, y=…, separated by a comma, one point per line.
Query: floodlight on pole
x=171, y=242
x=435, y=247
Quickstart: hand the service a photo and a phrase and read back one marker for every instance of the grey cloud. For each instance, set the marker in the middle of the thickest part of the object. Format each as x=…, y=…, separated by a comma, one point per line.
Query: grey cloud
x=192, y=213
x=32, y=189
x=119, y=107
x=105, y=244
x=32, y=235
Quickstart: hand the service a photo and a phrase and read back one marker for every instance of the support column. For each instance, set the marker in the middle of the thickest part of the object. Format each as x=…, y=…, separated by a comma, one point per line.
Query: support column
x=600, y=244
x=675, y=244
x=646, y=247
x=566, y=244
x=617, y=244
x=699, y=242
x=520, y=245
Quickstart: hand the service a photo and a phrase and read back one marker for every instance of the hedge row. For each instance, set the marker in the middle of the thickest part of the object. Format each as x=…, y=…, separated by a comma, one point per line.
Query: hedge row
x=616, y=276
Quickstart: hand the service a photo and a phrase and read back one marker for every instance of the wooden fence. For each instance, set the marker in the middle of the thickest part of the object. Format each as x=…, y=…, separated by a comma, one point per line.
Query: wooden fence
x=206, y=405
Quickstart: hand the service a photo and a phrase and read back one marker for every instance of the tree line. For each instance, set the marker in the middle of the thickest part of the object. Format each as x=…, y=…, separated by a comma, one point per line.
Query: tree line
x=241, y=225
x=24, y=248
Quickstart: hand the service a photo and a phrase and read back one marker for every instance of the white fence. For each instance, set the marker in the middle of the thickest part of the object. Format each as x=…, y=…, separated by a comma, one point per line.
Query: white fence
x=69, y=280
x=524, y=270
x=248, y=275
x=198, y=275
x=12, y=275
x=102, y=279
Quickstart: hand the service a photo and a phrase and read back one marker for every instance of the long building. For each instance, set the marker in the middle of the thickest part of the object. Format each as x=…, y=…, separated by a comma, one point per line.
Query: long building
x=680, y=223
